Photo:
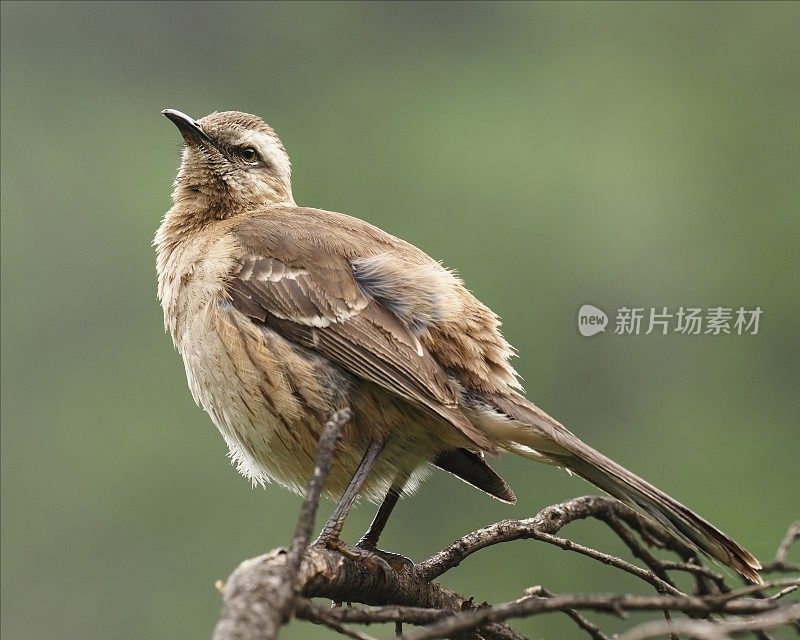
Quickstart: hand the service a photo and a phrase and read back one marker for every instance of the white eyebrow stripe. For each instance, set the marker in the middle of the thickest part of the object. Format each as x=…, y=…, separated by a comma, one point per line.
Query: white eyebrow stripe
x=270, y=149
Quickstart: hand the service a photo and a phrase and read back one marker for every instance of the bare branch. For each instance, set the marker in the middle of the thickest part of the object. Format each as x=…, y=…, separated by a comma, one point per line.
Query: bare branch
x=263, y=593
x=781, y=560
x=541, y=527
x=389, y=613
x=308, y=512
x=758, y=588
x=331, y=574
x=707, y=630
x=611, y=603
x=245, y=614
x=584, y=623
x=307, y=610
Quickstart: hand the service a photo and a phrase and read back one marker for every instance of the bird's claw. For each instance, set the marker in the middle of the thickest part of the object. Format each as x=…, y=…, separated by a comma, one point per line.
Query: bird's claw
x=397, y=562
x=356, y=554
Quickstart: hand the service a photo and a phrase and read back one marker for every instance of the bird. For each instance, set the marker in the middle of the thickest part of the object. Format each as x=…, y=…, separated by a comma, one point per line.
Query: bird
x=284, y=314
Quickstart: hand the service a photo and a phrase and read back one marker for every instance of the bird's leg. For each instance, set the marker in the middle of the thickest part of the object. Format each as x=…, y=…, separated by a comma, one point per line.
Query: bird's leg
x=330, y=532
x=369, y=541
x=329, y=536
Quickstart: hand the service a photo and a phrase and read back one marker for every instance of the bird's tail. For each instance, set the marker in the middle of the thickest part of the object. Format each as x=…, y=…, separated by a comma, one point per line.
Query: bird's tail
x=549, y=441
x=679, y=520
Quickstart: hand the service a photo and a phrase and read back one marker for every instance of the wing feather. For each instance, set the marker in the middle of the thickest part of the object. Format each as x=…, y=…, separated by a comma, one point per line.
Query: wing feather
x=317, y=303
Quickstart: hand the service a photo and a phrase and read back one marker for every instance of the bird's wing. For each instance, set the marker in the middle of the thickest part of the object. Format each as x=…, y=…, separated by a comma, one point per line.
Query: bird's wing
x=308, y=294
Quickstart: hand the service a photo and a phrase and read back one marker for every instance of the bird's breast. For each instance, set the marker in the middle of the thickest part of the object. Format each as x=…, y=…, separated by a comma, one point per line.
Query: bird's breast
x=266, y=399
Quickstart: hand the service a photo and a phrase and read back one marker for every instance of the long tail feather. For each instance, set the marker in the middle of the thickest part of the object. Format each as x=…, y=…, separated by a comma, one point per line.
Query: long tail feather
x=678, y=519
x=545, y=437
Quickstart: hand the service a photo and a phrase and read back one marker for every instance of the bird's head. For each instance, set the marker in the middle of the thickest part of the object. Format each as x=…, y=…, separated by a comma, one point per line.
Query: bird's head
x=231, y=162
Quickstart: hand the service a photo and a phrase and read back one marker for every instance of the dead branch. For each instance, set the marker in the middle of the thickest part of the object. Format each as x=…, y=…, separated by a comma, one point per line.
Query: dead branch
x=541, y=527
x=707, y=630
x=781, y=560
x=610, y=603
x=264, y=593
x=244, y=617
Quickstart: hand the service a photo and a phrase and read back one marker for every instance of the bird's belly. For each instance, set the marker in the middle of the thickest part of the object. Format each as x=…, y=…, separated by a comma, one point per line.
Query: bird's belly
x=270, y=400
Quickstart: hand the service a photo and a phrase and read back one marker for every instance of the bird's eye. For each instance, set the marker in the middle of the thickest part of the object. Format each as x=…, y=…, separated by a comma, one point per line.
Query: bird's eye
x=249, y=154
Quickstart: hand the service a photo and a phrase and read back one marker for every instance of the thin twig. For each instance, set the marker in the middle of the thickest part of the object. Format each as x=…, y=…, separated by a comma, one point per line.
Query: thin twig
x=781, y=560
x=540, y=527
x=612, y=603
x=619, y=563
x=758, y=588
x=706, y=630
x=640, y=551
x=698, y=570
x=243, y=615
x=307, y=610
x=584, y=623
x=308, y=511
x=784, y=592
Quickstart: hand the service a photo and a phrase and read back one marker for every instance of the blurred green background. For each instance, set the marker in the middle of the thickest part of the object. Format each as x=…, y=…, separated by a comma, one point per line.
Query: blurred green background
x=555, y=154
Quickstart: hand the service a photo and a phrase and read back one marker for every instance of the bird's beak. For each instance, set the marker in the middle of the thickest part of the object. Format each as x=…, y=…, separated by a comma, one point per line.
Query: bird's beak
x=191, y=131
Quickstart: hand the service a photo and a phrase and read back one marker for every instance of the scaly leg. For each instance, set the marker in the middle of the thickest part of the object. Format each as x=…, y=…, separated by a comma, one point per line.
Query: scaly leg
x=369, y=541
x=333, y=528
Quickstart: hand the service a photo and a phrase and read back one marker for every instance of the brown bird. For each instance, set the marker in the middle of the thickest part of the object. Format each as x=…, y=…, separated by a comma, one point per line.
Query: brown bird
x=284, y=314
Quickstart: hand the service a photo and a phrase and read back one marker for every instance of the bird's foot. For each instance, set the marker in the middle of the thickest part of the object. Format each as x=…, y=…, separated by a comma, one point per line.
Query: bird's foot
x=356, y=554
x=397, y=562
